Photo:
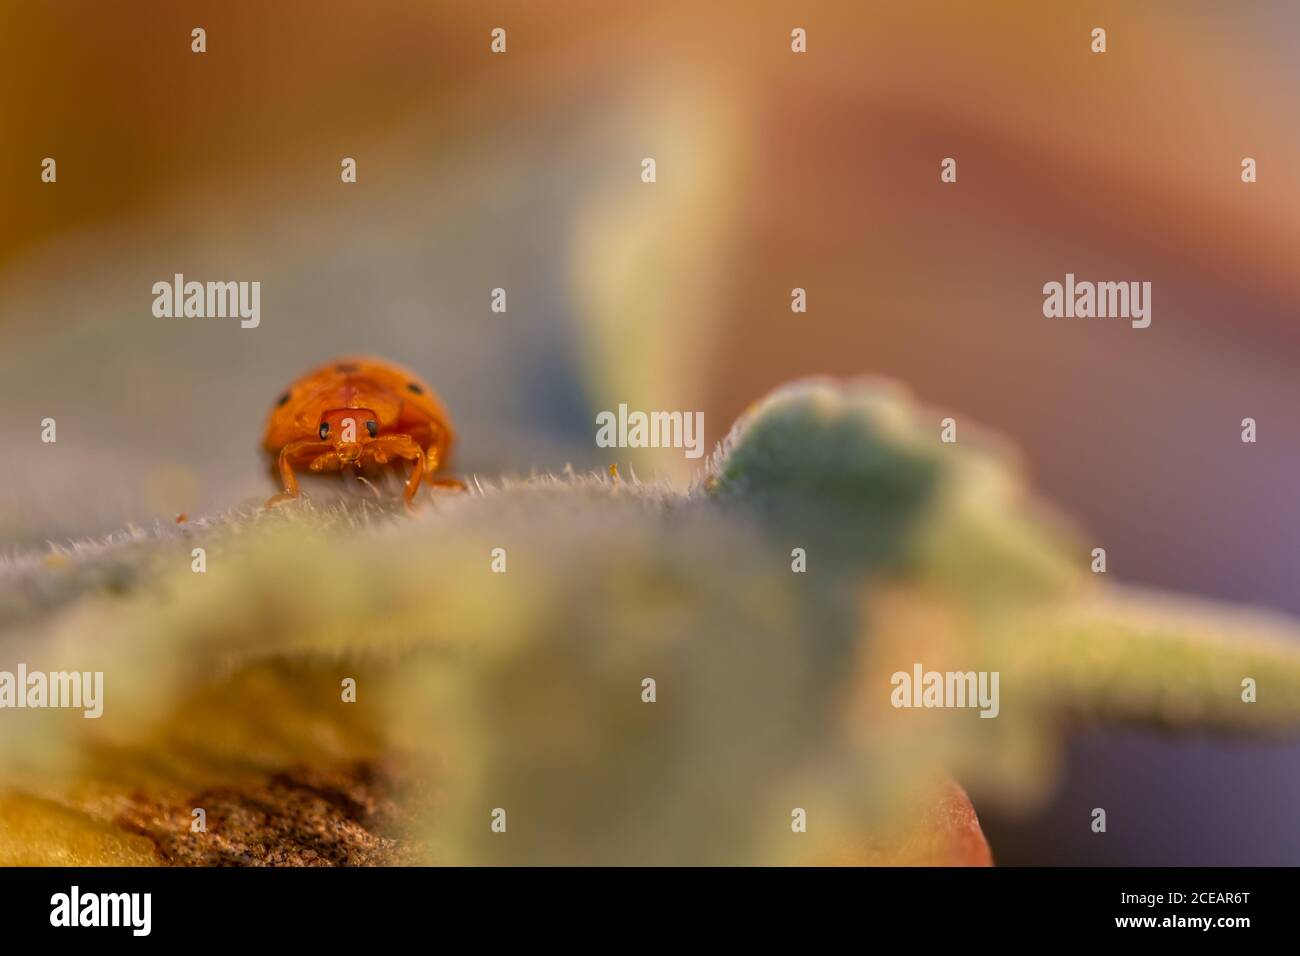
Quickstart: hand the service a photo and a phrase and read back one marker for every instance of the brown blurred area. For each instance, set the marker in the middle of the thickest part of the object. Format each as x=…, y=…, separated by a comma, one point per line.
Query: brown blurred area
x=776, y=171
x=115, y=93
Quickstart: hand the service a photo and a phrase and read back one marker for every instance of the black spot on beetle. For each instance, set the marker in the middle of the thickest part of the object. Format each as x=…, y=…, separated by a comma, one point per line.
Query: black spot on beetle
x=412, y=387
x=282, y=399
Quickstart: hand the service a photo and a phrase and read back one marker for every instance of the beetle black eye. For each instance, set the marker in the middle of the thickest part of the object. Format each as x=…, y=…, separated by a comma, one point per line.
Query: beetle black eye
x=412, y=387
x=372, y=426
x=324, y=430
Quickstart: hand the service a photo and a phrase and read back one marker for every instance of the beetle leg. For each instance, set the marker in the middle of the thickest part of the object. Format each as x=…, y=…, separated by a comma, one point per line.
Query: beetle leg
x=443, y=481
x=434, y=454
x=435, y=446
x=403, y=446
x=413, y=482
x=288, y=454
x=328, y=461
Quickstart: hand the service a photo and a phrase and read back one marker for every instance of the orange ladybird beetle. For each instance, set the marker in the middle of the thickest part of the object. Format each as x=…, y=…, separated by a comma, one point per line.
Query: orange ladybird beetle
x=354, y=413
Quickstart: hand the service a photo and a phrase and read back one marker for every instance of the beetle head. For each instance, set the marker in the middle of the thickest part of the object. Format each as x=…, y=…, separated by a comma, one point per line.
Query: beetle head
x=348, y=430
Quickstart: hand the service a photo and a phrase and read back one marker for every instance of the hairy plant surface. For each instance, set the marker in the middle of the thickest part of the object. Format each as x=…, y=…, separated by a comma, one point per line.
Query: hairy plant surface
x=522, y=691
